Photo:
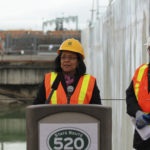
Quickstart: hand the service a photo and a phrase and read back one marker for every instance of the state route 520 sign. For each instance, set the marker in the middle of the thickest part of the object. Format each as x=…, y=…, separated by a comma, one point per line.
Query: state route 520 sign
x=70, y=136
x=68, y=139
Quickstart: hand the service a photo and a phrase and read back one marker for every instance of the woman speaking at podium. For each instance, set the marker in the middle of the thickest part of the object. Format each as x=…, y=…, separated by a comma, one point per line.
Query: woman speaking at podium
x=69, y=84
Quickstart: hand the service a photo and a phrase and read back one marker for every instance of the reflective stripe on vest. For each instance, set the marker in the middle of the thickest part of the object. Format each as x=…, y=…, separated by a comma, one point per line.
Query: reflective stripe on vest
x=140, y=83
x=81, y=95
x=83, y=90
x=49, y=80
x=54, y=96
x=139, y=78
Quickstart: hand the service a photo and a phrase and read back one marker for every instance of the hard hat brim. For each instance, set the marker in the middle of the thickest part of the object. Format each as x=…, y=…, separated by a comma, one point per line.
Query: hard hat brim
x=59, y=51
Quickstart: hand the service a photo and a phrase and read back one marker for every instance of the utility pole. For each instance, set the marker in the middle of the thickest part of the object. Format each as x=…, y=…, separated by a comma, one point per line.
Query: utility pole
x=92, y=13
x=97, y=14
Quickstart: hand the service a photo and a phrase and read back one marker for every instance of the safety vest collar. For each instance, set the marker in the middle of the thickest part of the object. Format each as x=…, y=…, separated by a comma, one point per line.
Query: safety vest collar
x=81, y=95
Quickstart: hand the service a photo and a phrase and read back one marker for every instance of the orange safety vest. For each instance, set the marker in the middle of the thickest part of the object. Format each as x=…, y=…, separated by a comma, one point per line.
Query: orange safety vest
x=140, y=83
x=81, y=95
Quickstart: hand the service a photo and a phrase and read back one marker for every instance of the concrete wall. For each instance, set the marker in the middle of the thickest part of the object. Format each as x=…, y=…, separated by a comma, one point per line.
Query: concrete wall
x=25, y=69
x=114, y=48
x=20, y=75
x=29, y=74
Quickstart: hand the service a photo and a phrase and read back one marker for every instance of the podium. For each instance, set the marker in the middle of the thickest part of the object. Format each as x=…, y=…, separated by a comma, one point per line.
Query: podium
x=69, y=127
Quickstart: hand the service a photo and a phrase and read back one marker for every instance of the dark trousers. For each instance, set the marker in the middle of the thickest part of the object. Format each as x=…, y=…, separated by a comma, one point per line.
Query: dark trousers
x=139, y=144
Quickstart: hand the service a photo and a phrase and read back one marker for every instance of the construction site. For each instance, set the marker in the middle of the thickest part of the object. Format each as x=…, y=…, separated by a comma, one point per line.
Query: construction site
x=114, y=46
x=34, y=51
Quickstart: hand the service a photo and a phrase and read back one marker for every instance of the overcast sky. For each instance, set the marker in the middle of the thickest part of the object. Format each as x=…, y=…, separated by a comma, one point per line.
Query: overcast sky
x=30, y=14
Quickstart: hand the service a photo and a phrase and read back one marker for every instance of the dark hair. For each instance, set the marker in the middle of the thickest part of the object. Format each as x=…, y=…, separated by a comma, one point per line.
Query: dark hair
x=80, y=70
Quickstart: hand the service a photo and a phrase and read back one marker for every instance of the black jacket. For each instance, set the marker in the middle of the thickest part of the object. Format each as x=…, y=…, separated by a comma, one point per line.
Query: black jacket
x=132, y=108
x=41, y=94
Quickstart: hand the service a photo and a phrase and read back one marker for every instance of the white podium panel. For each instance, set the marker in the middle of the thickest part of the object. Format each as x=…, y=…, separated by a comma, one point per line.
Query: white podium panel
x=77, y=132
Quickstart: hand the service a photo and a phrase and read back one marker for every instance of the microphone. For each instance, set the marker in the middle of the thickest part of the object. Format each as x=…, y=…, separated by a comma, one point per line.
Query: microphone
x=70, y=90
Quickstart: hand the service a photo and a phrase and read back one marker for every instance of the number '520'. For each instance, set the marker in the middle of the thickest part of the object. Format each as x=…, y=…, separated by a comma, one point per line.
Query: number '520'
x=68, y=143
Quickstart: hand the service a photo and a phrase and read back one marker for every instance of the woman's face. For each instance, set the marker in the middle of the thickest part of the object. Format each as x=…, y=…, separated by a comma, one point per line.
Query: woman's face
x=69, y=62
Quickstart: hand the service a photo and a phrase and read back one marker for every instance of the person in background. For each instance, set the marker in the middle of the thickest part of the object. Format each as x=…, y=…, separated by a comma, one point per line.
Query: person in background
x=138, y=102
x=69, y=84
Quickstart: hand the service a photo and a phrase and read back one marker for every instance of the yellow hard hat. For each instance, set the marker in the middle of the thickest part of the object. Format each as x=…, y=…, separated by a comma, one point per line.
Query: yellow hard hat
x=72, y=45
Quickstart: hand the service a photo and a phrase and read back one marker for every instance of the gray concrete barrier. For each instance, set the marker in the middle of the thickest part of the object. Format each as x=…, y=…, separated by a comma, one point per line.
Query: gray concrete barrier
x=69, y=127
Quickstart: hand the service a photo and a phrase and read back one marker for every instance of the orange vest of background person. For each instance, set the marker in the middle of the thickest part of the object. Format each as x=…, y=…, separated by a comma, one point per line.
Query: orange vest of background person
x=81, y=95
x=140, y=83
